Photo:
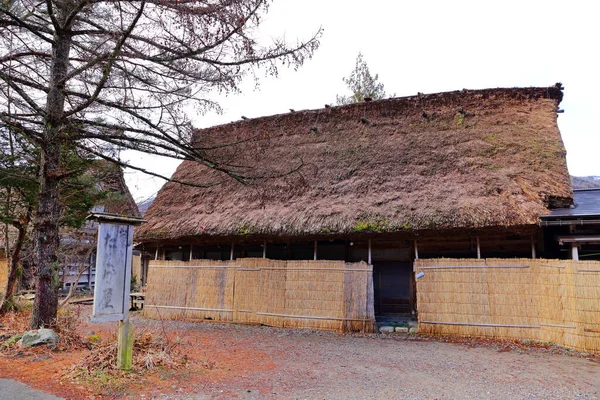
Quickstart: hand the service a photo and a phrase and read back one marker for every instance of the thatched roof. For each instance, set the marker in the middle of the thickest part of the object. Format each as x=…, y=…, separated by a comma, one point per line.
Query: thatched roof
x=109, y=177
x=464, y=159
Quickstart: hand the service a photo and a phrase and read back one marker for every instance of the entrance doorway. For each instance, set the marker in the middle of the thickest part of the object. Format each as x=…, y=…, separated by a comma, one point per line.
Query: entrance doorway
x=392, y=287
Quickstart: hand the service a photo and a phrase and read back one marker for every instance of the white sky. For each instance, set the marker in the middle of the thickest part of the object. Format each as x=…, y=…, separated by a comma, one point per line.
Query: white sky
x=429, y=46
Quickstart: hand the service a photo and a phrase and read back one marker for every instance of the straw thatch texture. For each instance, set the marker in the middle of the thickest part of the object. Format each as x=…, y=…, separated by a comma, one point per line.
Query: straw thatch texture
x=109, y=177
x=547, y=300
x=468, y=159
x=324, y=295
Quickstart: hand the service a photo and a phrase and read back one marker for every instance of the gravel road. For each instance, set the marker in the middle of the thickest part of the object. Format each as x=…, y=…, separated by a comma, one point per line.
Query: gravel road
x=269, y=363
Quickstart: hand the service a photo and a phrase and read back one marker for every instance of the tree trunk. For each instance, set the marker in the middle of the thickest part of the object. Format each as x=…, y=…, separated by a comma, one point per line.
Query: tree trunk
x=13, y=264
x=46, y=231
x=46, y=241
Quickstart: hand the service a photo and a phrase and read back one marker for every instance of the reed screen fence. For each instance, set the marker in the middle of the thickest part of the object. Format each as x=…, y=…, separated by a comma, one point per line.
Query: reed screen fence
x=323, y=295
x=136, y=268
x=3, y=276
x=555, y=301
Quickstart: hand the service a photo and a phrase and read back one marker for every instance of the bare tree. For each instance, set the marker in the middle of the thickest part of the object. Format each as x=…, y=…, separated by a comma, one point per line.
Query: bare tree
x=100, y=74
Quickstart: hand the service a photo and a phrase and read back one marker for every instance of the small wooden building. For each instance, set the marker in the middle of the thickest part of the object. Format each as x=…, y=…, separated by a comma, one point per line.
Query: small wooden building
x=462, y=174
x=574, y=232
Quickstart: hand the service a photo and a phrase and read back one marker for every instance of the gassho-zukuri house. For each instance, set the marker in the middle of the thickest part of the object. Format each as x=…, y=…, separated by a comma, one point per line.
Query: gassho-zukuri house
x=379, y=184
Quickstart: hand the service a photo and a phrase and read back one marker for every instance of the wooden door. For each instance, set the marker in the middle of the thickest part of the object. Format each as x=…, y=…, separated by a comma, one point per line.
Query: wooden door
x=391, y=281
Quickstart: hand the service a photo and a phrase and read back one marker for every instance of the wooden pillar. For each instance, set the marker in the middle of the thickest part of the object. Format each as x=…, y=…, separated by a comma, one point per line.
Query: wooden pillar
x=125, y=344
x=369, y=258
x=191, y=251
x=315, y=251
x=533, y=255
x=265, y=248
x=92, y=261
x=478, y=249
x=156, y=253
x=574, y=252
x=231, y=253
x=416, y=251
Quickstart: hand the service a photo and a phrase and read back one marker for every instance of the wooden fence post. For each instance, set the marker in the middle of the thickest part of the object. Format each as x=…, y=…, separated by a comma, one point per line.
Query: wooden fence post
x=125, y=345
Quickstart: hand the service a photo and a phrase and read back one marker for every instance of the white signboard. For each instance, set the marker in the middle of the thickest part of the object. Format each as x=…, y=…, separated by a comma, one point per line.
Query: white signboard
x=113, y=272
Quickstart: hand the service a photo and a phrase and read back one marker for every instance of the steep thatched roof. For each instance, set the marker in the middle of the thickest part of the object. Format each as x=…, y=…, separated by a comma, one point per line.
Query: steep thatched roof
x=464, y=159
x=109, y=177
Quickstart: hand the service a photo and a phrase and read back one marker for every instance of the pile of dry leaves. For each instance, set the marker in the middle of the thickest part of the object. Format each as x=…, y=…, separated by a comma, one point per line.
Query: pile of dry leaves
x=149, y=351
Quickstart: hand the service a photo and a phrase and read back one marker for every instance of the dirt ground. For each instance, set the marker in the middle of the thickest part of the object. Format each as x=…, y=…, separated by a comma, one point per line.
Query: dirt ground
x=254, y=362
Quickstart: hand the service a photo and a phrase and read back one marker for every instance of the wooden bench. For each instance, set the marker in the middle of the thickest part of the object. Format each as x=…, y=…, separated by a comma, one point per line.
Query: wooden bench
x=137, y=301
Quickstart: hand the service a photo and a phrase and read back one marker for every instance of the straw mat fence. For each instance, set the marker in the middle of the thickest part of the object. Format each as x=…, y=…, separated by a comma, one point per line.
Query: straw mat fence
x=554, y=301
x=3, y=276
x=136, y=268
x=325, y=295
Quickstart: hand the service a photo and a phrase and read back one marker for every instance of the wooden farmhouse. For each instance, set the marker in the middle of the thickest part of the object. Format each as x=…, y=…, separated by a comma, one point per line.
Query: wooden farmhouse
x=375, y=185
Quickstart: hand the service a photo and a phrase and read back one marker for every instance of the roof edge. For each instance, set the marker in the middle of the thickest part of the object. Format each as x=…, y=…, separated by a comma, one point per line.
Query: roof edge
x=454, y=97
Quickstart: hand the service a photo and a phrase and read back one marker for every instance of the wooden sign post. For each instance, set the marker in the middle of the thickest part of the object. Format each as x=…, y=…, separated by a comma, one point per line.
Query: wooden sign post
x=113, y=278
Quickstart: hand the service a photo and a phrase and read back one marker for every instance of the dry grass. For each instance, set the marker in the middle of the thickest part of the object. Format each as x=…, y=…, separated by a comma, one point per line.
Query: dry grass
x=151, y=352
x=16, y=323
x=67, y=324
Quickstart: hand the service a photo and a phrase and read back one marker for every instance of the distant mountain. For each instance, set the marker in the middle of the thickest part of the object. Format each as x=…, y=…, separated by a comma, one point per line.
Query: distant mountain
x=585, y=182
x=145, y=204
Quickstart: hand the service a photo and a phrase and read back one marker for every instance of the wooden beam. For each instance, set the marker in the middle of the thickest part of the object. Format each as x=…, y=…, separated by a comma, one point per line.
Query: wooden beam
x=92, y=264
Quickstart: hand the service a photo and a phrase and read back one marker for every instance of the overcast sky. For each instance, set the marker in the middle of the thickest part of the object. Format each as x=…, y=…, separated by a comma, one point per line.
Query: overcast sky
x=429, y=47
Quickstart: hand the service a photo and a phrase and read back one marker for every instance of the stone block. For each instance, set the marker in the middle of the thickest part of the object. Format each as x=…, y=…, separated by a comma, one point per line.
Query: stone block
x=38, y=337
